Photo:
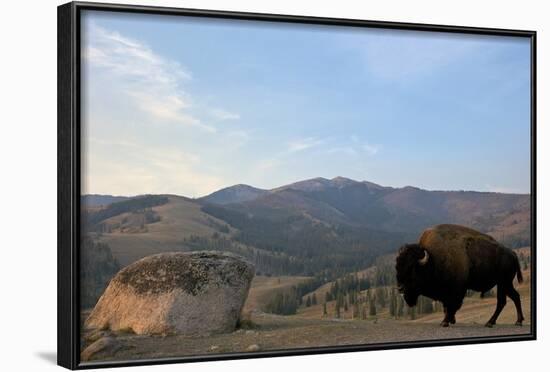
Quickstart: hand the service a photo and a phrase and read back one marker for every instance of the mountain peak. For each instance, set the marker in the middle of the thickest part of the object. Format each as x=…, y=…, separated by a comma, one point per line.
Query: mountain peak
x=234, y=194
x=312, y=184
x=343, y=181
x=320, y=183
x=242, y=186
x=372, y=185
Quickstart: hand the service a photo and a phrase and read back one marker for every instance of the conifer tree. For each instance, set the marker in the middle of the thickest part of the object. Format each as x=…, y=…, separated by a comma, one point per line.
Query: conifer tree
x=372, y=307
x=400, y=306
x=425, y=306
x=412, y=312
x=381, y=296
x=393, y=303
x=356, y=310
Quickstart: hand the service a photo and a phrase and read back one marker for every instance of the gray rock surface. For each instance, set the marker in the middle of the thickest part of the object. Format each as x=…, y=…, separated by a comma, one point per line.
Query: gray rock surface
x=253, y=347
x=104, y=344
x=191, y=293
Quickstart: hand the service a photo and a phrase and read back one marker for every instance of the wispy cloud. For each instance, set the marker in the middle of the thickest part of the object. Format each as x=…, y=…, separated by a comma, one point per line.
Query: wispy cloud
x=504, y=190
x=371, y=149
x=292, y=148
x=131, y=58
x=172, y=101
x=342, y=150
x=142, y=167
x=267, y=164
x=221, y=114
x=152, y=82
x=303, y=144
x=237, y=138
x=112, y=142
x=355, y=146
x=399, y=56
x=169, y=108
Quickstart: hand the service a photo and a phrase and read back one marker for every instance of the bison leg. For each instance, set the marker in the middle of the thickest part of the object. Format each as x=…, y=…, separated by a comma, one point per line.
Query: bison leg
x=501, y=301
x=449, y=315
x=514, y=296
x=452, y=311
x=445, y=321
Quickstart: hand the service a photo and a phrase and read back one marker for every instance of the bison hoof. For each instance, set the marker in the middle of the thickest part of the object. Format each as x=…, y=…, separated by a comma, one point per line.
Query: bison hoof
x=453, y=321
x=519, y=323
x=489, y=324
x=444, y=323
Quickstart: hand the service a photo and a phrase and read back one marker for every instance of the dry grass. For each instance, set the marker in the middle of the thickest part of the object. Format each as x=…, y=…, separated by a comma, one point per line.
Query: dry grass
x=274, y=332
x=263, y=287
x=309, y=329
x=180, y=218
x=475, y=310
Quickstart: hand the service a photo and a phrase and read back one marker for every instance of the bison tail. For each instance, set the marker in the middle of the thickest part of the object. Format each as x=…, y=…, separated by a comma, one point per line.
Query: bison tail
x=518, y=271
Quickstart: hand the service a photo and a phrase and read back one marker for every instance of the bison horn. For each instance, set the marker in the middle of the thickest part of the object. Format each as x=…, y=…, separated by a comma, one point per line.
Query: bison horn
x=424, y=260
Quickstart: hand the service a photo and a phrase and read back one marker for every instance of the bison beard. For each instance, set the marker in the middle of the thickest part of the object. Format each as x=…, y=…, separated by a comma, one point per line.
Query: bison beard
x=449, y=260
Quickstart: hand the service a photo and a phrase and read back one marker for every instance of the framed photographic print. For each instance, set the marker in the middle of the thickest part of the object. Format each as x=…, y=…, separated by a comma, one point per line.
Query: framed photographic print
x=237, y=185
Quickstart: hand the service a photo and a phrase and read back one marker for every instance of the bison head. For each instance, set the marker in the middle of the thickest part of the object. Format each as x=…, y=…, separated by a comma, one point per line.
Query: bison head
x=411, y=267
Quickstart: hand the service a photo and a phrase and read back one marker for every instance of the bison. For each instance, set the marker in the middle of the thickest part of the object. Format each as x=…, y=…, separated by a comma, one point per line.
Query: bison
x=450, y=259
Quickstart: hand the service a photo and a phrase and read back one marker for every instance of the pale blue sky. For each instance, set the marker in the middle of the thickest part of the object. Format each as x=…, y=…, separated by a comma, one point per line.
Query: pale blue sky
x=187, y=106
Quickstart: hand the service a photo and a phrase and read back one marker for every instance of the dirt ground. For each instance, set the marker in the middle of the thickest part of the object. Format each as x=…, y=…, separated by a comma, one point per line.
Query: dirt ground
x=275, y=332
x=308, y=328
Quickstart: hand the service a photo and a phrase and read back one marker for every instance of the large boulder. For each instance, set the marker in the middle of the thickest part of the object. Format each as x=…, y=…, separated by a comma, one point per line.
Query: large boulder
x=192, y=293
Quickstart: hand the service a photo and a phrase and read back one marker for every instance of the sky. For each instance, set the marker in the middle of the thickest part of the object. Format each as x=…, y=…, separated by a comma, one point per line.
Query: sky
x=187, y=106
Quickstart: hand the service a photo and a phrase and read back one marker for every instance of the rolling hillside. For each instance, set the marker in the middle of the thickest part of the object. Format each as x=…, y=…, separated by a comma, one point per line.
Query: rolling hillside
x=179, y=218
x=309, y=327
x=324, y=252
x=95, y=200
x=409, y=210
x=301, y=228
x=234, y=194
x=174, y=224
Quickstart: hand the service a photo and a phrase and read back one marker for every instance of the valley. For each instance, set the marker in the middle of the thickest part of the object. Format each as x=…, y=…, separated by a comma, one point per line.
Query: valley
x=324, y=254
x=309, y=328
x=338, y=225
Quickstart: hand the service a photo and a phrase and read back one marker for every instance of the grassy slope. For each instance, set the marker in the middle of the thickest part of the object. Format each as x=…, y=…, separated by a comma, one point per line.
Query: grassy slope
x=181, y=218
x=263, y=287
x=309, y=329
x=475, y=310
x=478, y=310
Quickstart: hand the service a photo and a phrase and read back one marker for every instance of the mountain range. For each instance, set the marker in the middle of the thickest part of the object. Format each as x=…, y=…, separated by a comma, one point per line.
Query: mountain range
x=409, y=209
x=304, y=227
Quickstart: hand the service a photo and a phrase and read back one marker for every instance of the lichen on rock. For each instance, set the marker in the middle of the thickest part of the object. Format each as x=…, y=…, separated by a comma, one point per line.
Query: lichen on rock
x=176, y=293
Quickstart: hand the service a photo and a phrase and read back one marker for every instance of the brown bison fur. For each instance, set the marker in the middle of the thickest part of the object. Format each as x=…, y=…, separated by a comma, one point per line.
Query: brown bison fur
x=450, y=259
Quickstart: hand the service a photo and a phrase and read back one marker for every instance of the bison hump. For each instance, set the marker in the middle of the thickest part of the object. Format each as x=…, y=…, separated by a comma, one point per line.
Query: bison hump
x=453, y=236
x=450, y=247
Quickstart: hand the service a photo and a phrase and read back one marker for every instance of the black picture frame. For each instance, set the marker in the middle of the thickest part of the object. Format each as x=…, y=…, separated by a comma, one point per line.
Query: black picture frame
x=68, y=91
